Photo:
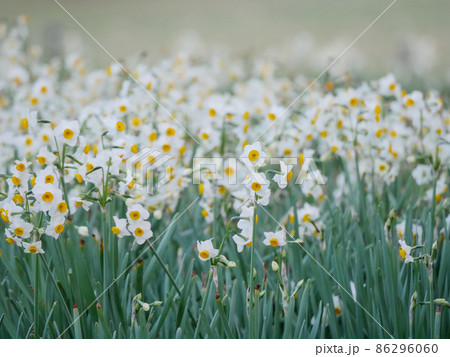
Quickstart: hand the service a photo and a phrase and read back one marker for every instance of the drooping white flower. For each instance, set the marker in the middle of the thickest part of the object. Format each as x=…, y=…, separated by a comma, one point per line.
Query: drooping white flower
x=120, y=227
x=285, y=175
x=405, y=251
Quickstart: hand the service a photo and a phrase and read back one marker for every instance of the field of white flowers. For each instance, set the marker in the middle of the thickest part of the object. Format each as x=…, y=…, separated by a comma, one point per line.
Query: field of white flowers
x=212, y=196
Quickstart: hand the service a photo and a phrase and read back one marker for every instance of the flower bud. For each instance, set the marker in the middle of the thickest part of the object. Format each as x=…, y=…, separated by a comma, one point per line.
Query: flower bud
x=130, y=202
x=158, y=214
x=275, y=266
x=83, y=231
x=231, y=265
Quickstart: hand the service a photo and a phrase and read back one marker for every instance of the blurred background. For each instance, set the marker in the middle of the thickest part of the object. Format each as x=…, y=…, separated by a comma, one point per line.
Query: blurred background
x=411, y=39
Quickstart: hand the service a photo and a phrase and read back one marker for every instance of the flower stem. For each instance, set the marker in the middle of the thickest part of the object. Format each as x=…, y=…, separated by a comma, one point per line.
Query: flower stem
x=36, y=295
x=251, y=293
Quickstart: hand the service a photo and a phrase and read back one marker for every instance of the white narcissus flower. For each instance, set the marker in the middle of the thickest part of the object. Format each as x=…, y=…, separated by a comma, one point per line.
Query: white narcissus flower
x=120, y=227
x=337, y=302
x=141, y=231
x=137, y=213
x=286, y=174
x=8, y=207
x=56, y=226
x=20, y=227
x=246, y=218
x=67, y=132
x=28, y=120
x=206, y=250
x=259, y=188
x=405, y=251
x=47, y=196
x=275, y=239
x=253, y=155
x=10, y=238
x=45, y=157
x=241, y=242
x=76, y=202
x=48, y=175
x=422, y=174
x=33, y=248
x=307, y=214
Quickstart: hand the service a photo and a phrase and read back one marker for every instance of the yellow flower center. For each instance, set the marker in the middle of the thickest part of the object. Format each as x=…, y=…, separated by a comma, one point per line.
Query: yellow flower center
x=18, y=199
x=205, y=213
x=68, y=134
x=289, y=176
x=166, y=147
x=153, y=136
x=4, y=215
x=253, y=155
x=15, y=180
x=10, y=240
x=32, y=249
x=201, y=188
x=18, y=231
x=115, y=230
x=212, y=112
x=135, y=215
x=409, y=102
x=229, y=171
x=47, y=197
x=123, y=108
x=20, y=167
x=204, y=254
x=306, y=217
x=24, y=124
x=79, y=178
x=139, y=232
x=49, y=179
x=59, y=228
x=120, y=126
x=402, y=253
x=256, y=186
x=353, y=102
x=170, y=132
x=62, y=207
x=42, y=160
x=271, y=116
x=274, y=242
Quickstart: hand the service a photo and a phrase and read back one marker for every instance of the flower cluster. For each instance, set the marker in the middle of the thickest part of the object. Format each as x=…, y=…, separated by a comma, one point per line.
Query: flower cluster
x=68, y=133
